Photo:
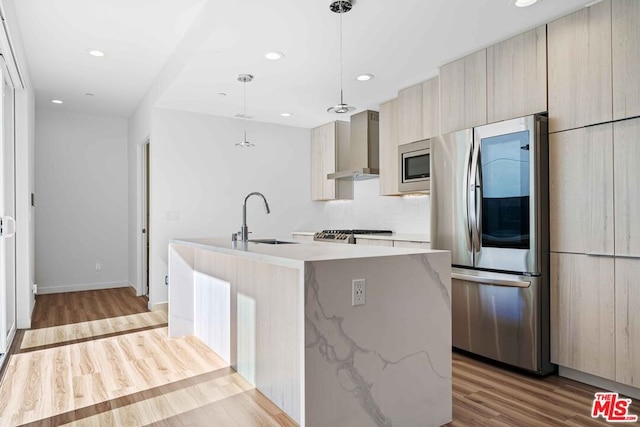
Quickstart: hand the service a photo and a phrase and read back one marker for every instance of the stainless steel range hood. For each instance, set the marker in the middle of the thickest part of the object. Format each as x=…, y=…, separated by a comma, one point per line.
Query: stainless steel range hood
x=363, y=149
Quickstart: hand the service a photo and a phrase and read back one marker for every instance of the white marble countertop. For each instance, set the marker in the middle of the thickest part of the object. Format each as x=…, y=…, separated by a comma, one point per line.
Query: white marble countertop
x=294, y=255
x=407, y=237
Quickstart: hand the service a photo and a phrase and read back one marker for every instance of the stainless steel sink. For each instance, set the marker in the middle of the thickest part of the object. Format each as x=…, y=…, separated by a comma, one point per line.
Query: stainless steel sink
x=272, y=241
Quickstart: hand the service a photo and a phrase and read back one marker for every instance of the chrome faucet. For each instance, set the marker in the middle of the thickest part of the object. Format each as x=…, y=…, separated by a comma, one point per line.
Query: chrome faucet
x=244, y=231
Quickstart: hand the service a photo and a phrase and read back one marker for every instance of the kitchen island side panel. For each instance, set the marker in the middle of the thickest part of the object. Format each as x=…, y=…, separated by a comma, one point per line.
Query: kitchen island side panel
x=387, y=362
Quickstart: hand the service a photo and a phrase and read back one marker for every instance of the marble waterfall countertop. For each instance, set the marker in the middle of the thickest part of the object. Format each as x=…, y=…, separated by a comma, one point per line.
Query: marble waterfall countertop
x=283, y=317
x=291, y=255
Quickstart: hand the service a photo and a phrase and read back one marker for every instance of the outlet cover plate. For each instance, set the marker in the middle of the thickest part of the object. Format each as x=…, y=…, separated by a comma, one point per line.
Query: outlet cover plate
x=358, y=292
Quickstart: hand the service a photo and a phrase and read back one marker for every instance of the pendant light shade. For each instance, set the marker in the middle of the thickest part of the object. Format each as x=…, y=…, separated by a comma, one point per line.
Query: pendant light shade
x=340, y=7
x=245, y=78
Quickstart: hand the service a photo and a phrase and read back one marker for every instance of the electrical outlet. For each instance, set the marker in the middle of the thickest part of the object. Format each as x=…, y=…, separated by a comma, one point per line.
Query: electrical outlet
x=35, y=288
x=98, y=266
x=357, y=292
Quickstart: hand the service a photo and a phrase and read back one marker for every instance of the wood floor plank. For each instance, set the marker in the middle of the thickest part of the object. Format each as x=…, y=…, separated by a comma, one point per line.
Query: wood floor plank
x=66, y=371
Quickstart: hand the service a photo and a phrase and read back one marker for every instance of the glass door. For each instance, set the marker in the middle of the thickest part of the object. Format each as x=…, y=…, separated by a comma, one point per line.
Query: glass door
x=505, y=191
x=505, y=195
x=7, y=213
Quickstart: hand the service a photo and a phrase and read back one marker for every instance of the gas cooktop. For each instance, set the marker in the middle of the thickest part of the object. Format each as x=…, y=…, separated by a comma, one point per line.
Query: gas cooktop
x=345, y=236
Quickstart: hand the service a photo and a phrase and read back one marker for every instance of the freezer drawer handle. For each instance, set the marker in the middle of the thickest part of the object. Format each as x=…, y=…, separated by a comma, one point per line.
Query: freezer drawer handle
x=490, y=280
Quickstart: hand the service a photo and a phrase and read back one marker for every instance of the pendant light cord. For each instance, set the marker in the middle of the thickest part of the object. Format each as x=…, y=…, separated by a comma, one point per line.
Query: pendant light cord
x=341, y=12
x=244, y=86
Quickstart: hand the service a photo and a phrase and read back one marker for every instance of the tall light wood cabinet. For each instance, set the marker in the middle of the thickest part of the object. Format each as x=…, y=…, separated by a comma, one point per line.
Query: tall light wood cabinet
x=389, y=148
x=581, y=193
x=579, y=67
x=583, y=314
x=463, y=92
x=626, y=58
x=627, y=321
x=626, y=148
x=431, y=108
x=410, y=114
x=517, y=76
x=327, y=143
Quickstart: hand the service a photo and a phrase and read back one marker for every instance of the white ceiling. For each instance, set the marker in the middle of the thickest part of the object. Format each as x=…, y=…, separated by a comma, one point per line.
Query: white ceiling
x=137, y=37
x=400, y=42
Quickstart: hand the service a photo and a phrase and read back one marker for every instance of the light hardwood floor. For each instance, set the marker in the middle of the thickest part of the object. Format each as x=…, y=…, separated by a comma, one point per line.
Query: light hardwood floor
x=71, y=369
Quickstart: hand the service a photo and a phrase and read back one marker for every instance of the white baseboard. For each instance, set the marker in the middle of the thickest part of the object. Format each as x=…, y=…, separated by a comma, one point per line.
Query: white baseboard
x=44, y=289
x=602, y=383
x=161, y=306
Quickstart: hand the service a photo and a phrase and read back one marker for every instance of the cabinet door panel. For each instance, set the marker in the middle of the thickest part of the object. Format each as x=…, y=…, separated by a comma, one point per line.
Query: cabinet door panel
x=580, y=82
x=583, y=314
x=373, y=242
x=517, y=76
x=316, y=165
x=626, y=58
x=410, y=114
x=463, y=92
x=581, y=190
x=431, y=108
x=626, y=149
x=327, y=136
x=409, y=244
x=628, y=321
x=388, y=148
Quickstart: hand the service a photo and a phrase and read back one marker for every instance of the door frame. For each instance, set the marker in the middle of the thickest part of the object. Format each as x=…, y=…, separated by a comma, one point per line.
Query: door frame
x=7, y=340
x=141, y=220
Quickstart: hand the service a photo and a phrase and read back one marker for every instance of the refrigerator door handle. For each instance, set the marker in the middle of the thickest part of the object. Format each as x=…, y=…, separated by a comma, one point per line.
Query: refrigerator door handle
x=468, y=192
x=475, y=234
x=491, y=280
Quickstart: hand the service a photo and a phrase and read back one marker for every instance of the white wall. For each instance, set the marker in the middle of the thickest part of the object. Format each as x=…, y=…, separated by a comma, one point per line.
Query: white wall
x=199, y=173
x=405, y=214
x=81, y=181
x=140, y=127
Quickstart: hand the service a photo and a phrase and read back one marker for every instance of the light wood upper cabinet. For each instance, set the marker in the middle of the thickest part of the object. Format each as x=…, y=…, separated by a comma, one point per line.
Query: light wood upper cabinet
x=579, y=62
x=581, y=190
x=626, y=58
x=431, y=108
x=410, y=114
x=389, y=148
x=517, y=76
x=582, y=313
x=627, y=321
x=463, y=92
x=626, y=149
x=326, y=141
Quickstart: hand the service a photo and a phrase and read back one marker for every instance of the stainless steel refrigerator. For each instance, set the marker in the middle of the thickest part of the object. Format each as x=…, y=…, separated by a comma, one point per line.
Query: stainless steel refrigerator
x=490, y=208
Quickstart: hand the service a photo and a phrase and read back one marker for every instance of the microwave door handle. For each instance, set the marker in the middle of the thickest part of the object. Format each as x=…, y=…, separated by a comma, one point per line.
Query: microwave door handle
x=474, y=191
x=467, y=194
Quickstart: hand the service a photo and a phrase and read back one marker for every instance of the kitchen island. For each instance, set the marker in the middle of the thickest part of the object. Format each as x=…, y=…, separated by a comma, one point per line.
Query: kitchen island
x=282, y=316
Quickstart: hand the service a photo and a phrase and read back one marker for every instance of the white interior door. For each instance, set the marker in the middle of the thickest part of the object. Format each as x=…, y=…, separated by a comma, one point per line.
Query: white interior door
x=7, y=213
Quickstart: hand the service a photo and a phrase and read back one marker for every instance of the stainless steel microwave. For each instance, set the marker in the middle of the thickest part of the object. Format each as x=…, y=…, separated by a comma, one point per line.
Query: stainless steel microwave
x=415, y=166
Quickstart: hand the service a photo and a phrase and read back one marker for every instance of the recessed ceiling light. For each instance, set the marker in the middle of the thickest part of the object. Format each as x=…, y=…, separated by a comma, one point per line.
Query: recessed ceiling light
x=525, y=3
x=56, y=101
x=97, y=53
x=286, y=114
x=364, y=77
x=274, y=56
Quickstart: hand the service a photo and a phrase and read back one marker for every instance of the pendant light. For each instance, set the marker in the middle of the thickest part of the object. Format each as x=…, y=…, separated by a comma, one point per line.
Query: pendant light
x=245, y=78
x=340, y=7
